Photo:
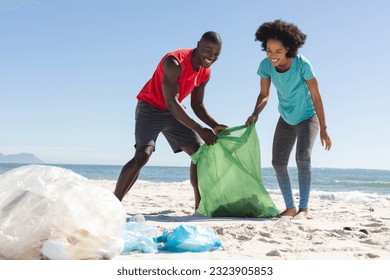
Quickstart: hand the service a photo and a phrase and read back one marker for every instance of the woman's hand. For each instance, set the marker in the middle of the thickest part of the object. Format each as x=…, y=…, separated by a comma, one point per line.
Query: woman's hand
x=325, y=140
x=251, y=119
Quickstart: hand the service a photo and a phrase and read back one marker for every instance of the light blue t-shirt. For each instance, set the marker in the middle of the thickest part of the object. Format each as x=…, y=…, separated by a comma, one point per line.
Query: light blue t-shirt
x=295, y=103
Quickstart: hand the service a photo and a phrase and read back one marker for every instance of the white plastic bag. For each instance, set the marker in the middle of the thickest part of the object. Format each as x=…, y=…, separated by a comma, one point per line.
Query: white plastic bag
x=52, y=212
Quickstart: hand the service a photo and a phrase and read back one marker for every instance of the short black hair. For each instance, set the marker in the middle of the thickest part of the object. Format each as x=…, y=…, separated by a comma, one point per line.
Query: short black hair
x=212, y=37
x=288, y=33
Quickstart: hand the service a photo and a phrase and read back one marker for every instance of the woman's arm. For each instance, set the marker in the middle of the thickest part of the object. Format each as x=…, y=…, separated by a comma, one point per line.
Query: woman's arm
x=319, y=107
x=261, y=101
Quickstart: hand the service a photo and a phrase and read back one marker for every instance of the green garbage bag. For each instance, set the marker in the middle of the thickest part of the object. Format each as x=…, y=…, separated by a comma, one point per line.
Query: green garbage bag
x=229, y=177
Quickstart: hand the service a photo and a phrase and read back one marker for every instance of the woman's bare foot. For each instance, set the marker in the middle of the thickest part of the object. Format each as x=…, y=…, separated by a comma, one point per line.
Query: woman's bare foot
x=302, y=213
x=290, y=212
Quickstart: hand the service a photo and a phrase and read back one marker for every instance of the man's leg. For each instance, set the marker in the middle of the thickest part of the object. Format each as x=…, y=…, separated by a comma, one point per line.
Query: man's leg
x=194, y=183
x=190, y=149
x=130, y=171
x=148, y=124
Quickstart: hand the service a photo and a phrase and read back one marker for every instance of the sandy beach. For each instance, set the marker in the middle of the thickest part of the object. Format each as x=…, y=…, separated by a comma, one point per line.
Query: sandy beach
x=350, y=226
x=350, y=229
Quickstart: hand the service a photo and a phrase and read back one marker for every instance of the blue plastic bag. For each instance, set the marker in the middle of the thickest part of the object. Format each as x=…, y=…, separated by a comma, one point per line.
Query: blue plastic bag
x=190, y=239
x=139, y=237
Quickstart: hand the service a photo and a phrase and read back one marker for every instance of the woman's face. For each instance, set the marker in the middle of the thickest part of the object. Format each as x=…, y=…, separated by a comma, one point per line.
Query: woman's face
x=276, y=53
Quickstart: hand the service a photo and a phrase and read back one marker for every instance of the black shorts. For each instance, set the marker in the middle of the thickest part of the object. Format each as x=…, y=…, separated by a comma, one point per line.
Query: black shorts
x=150, y=121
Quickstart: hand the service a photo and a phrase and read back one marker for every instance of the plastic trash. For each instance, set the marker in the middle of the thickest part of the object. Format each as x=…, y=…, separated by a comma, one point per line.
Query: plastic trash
x=229, y=176
x=51, y=212
x=283, y=222
x=139, y=236
x=57, y=249
x=189, y=239
x=139, y=218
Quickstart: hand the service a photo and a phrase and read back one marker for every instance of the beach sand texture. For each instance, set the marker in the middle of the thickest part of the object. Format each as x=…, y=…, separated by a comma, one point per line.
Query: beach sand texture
x=335, y=230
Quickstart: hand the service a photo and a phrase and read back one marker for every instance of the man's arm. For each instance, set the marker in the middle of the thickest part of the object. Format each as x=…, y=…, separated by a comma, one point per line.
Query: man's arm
x=172, y=72
x=200, y=110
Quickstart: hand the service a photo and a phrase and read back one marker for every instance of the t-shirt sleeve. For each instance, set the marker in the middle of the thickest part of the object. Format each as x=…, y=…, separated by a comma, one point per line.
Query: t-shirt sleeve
x=264, y=69
x=307, y=70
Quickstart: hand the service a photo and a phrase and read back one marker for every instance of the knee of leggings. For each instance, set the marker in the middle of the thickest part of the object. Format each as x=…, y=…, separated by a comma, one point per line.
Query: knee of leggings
x=277, y=164
x=302, y=163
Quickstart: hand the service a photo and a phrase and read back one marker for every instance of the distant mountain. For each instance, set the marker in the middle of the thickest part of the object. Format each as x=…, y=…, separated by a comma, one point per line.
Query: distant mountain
x=20, y=158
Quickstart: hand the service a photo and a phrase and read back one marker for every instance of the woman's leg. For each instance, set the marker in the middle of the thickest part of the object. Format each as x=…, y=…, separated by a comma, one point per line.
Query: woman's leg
x=307, y=133
x=284, y=140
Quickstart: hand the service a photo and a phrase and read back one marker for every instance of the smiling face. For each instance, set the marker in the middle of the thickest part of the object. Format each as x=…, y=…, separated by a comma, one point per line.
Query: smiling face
x=276, y=53
x=207, y=53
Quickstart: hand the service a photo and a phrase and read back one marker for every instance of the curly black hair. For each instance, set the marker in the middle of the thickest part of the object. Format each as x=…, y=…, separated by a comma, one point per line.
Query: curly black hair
x=288, y=33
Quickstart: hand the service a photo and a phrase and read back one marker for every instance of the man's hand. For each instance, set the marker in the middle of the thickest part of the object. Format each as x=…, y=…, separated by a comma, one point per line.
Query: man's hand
x=218, y=128
x=208, y=136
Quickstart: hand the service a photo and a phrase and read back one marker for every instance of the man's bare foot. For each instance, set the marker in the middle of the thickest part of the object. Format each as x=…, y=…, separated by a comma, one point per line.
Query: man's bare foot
x=302, y=214
x=290, y=212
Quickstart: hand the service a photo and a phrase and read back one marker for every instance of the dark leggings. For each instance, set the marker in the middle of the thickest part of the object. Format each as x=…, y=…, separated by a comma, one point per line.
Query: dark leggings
x=304, y=133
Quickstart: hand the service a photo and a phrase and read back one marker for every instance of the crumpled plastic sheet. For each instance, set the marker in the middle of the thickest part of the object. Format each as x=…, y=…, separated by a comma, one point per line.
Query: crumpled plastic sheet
x=49, y=212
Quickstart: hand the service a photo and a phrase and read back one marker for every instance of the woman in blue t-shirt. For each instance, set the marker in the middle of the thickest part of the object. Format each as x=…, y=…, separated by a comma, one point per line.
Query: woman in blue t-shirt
x=300, y=107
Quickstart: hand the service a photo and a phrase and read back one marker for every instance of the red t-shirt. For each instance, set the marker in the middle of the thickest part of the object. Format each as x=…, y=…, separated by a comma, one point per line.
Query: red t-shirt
x=152, y=92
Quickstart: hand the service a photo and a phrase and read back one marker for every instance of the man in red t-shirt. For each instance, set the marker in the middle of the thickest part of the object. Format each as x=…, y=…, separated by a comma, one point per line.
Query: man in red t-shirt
x=179, y=74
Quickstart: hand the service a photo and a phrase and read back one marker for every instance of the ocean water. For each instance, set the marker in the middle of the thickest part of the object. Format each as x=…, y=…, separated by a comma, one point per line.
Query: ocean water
x=328, y=180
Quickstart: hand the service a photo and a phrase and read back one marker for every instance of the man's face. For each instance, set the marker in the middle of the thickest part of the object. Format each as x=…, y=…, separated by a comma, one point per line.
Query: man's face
x=208, y=52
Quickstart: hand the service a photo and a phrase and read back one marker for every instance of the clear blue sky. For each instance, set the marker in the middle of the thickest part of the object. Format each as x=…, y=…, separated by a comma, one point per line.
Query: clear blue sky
x=70, y=71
